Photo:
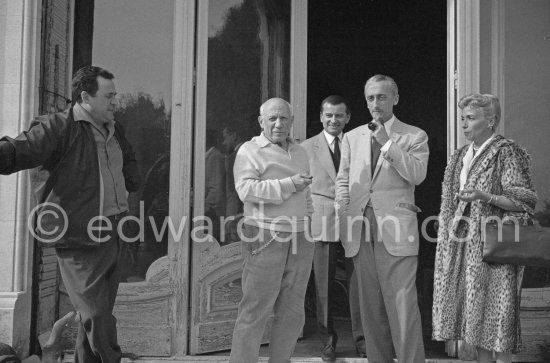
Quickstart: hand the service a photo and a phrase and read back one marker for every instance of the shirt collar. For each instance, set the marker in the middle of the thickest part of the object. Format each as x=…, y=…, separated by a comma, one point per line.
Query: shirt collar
x=483, y=146
x=263, y=141
x=330, y=138
x=210, y=151
x=81, y=114
x=388, y=124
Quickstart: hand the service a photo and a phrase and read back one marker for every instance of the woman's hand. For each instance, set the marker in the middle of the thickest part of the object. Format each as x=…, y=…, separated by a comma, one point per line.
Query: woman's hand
x=471, y=195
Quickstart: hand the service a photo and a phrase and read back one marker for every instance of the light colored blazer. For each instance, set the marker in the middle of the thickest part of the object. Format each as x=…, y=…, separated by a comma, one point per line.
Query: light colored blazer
x=390, y=189
x=324, y=226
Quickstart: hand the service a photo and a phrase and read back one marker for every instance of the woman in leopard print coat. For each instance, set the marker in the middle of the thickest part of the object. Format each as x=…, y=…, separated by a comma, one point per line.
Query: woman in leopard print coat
x=475, y=301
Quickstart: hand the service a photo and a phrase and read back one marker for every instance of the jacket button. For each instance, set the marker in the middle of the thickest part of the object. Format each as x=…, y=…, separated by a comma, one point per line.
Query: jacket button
x=370, y=191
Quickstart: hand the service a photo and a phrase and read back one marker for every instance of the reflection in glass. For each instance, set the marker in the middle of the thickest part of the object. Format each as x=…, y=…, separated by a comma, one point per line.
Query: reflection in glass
x=248, y=63
x=142, y=66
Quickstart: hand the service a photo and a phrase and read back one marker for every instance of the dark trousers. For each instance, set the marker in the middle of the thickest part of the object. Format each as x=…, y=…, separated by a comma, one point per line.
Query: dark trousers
x=324, y=270
x=91, y=277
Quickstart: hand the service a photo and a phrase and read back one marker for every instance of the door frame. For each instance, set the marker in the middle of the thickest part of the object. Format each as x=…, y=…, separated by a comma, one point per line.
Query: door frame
x=465, y=59
x=181, y=161
x=463, y=52
x=298, y=99
x=298, y=67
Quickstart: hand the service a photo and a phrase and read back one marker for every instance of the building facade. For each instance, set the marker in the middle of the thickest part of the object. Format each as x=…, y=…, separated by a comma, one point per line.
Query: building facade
x=188, y=69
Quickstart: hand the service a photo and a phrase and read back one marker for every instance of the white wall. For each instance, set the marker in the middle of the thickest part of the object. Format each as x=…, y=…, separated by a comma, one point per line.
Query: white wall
x=527, y=84
x=19, y=44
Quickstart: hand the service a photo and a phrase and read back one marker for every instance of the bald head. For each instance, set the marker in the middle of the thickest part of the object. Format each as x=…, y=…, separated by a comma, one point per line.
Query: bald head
x=276, y=120
x=276, y=101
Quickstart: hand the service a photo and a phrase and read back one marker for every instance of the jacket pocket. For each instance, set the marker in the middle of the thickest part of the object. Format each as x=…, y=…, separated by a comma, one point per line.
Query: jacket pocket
x=409, y=207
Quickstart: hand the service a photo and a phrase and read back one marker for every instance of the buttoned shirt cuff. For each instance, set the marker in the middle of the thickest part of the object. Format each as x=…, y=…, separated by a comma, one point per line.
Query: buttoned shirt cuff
x=384, y=149
x=287, y=186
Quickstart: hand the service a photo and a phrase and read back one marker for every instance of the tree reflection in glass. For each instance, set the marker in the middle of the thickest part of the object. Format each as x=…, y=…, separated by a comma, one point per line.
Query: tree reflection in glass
x=248, y=62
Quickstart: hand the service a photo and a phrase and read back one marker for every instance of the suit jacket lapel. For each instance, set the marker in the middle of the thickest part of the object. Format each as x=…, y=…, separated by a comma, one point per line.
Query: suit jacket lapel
x=323, y=151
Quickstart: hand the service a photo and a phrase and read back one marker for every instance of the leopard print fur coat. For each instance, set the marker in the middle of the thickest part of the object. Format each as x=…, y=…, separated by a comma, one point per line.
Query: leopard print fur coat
x=475, y=301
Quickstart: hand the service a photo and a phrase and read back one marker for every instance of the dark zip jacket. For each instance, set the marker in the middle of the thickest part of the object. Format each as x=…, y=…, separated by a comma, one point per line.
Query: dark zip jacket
x=65, y=152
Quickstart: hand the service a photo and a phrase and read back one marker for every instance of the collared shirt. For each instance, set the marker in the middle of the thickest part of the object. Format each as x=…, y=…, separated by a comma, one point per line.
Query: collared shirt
x=330, y=139
x=469, y=158
x=113, y=198
x=263, y=172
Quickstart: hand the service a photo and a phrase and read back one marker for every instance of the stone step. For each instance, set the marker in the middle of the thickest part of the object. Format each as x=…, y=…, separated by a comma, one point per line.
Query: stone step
x=68, y=358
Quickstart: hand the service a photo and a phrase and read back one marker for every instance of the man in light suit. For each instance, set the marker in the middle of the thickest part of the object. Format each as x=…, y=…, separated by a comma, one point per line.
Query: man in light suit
x=324, y=159
x=375, y=204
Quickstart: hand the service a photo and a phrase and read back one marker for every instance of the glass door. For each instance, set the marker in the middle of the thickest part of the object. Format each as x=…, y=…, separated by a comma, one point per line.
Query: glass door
x=148, y=45
x=245, y=55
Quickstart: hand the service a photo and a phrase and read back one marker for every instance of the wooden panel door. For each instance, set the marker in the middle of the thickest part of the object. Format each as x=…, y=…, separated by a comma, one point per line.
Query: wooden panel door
x=244, y=57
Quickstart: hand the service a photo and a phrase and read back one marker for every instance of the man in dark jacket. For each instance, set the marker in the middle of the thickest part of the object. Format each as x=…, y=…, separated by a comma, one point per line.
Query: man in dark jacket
x=85, y=169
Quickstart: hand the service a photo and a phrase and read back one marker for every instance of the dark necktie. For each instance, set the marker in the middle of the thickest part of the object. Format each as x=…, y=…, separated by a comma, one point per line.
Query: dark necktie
x=375, y=152
x=336, y=154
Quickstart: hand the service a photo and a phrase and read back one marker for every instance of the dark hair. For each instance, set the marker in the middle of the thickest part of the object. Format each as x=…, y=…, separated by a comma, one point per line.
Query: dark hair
x=85, y=79
x=212, y=138
x=232, y=128
x=336, y=100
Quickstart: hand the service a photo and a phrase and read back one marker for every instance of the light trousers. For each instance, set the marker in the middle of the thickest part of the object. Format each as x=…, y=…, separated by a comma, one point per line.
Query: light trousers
x=274, y=281
x=388, y=300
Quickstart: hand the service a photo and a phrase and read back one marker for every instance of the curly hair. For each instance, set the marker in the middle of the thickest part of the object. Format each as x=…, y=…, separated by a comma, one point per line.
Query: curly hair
x=489, y=103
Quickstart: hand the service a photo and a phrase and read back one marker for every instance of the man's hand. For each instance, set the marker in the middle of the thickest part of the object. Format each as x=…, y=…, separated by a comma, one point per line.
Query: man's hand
x=301, y=181
x=380, y=133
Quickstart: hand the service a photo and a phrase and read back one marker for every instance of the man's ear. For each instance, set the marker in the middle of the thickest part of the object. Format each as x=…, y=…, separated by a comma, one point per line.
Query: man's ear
x=396, y=100
x=85, y=96
x=348, y=117
x=260, y=122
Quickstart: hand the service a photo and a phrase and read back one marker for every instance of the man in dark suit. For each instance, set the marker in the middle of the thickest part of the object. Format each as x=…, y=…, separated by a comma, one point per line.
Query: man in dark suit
x=324, y=159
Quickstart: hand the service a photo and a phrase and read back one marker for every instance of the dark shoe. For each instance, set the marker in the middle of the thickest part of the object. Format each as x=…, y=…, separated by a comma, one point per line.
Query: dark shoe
x=361, y=349
x=361, y=353
x=328, y=353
